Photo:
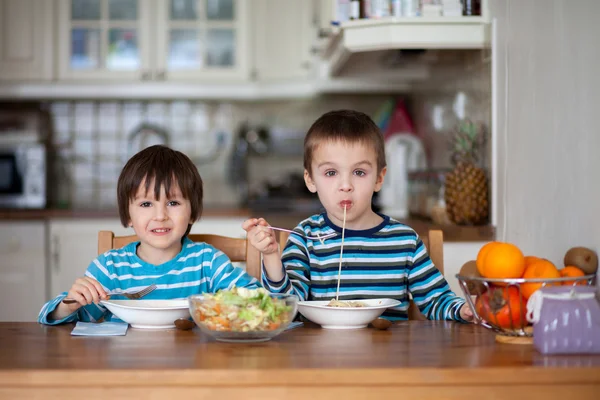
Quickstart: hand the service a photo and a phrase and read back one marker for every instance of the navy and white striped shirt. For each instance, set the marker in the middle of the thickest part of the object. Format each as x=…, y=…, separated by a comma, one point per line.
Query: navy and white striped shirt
x=198, y=268
x=389, y=260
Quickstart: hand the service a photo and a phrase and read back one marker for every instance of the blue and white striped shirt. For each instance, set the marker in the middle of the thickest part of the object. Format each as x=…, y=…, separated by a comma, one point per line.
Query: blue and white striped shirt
x=198, y=268
x=389, y=260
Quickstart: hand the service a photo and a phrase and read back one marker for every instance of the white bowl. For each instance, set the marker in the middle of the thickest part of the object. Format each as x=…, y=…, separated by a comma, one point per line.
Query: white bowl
x=149, y=314
x=344, y=317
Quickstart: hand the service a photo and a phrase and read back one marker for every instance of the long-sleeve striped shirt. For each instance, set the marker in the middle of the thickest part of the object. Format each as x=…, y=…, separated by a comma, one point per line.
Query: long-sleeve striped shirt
x=389, y=260
x=198, y=268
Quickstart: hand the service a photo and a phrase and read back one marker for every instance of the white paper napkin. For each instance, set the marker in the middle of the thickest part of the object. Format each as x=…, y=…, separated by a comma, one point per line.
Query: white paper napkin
x=100, y=329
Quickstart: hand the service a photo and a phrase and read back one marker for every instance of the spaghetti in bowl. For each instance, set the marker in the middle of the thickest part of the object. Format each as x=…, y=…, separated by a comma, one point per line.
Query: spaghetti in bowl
x=243, y=315
x=337, y=315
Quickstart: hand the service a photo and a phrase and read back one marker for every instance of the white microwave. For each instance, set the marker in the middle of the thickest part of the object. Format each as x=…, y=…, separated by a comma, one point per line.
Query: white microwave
x=23, y=175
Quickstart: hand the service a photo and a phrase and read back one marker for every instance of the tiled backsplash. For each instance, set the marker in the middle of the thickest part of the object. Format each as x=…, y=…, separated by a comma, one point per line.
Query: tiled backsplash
x=92, y=141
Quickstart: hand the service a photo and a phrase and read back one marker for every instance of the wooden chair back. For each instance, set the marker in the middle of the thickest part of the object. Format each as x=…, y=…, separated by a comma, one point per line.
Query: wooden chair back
x=237, y=249
x=434, y=242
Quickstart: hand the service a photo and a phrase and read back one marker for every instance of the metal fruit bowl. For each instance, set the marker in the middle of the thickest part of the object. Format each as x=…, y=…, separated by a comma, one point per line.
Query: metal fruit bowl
x=498, y=304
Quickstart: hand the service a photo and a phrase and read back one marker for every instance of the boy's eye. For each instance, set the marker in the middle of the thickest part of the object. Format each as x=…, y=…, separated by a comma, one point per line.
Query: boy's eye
x=330, y=173
x=359, y=172
x=145, y=204
x=173, y=203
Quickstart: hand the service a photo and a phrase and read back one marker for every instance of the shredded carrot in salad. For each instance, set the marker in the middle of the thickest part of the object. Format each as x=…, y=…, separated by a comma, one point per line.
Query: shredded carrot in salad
x=242, y=310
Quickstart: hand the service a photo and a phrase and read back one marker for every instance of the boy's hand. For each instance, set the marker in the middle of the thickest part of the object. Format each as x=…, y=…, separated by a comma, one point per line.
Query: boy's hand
x=260, y=236
x=86, y=291
x=466, y=313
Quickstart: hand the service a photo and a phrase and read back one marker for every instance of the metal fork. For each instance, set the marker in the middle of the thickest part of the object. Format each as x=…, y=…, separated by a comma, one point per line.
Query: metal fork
x=130, y=295
x=309, y=237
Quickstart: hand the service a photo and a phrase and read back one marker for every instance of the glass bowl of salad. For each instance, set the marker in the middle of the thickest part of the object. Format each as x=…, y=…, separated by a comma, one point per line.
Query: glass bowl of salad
x=243, y=315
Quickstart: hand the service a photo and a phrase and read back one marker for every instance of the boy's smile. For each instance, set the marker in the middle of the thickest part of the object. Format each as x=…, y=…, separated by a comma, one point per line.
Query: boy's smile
x=159, y=223
x=344, y=175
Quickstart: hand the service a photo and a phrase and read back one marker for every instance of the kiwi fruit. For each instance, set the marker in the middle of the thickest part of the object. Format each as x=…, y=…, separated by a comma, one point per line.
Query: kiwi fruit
x=469, y=269
x=583, y=258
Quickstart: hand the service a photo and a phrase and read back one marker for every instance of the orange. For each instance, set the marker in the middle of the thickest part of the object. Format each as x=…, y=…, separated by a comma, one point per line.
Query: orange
x=530, y=259
x=482, y=254
x=572, y=271
x=501, y=261
x=541, y=269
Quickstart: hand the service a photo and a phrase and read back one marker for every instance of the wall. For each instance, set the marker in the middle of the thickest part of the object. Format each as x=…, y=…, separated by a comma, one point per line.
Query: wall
x=548, y=92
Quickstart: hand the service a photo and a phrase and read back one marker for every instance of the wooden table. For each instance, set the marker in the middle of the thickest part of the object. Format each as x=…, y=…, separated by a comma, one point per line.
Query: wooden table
x=416, y=359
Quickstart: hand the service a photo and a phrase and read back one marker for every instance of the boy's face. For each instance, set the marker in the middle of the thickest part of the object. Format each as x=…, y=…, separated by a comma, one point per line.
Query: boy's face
x=159, y=224
x=345, y=174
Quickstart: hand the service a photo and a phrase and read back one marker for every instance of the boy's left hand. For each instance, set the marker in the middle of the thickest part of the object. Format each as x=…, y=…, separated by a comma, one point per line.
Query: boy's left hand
x=466, y=313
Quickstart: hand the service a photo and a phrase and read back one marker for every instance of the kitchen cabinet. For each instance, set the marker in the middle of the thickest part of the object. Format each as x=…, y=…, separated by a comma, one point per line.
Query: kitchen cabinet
x=74, y=243
x=22, y=270
x=284, y=34
x=153, y=40
x=26, y=48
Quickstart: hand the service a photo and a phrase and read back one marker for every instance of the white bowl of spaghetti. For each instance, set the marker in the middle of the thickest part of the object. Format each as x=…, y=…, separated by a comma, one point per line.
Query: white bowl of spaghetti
x=348, y=314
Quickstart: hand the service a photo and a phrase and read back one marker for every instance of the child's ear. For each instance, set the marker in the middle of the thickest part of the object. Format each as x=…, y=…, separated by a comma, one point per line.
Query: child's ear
x=309, y=182
x=379, y=181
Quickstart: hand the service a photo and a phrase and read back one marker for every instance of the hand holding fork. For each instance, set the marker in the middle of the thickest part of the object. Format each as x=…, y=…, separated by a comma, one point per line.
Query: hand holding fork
x=87, y=290
x=261, y=236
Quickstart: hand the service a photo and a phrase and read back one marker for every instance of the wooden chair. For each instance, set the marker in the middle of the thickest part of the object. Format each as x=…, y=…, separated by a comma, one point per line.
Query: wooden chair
x=435, y=246
x=237, y=249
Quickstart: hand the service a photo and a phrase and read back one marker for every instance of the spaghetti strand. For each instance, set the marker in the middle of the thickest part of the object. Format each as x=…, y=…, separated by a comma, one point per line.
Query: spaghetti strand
x=337, y=292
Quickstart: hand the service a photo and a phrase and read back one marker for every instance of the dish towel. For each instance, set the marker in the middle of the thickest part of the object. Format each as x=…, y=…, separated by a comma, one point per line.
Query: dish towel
x=99, y=329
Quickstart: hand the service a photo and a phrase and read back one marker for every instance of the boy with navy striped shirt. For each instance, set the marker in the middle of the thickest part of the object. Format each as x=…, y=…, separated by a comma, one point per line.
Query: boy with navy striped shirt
x=344, y=163
x=159, y=195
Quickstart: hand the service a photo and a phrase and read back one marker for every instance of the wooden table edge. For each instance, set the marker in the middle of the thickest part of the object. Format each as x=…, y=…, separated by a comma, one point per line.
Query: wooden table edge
x=303, y=377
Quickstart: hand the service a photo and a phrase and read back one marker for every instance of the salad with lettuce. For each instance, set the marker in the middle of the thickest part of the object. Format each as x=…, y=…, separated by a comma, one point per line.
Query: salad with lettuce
x=242, y=310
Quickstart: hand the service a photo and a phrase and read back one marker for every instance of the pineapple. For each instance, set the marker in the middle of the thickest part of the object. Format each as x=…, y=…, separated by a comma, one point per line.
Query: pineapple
x=466, y=188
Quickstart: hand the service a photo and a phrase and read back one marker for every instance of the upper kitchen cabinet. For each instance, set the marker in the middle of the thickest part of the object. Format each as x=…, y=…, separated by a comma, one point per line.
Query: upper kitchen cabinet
x=152, y=40
x=285, y=31
x=26, y=40
x=104, y=39
x=202, y=40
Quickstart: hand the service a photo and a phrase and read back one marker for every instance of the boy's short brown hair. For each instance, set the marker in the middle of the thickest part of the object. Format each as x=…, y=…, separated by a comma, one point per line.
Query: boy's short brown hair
x=161, y=166
x=347, y=126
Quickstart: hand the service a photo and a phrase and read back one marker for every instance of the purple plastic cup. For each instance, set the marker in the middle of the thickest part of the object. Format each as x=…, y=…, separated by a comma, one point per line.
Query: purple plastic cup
x=566, y=320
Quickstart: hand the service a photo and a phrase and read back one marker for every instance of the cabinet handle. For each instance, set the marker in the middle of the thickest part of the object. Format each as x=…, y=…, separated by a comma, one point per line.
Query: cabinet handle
x=146, y=76
x=55, y=253
x=161, y=75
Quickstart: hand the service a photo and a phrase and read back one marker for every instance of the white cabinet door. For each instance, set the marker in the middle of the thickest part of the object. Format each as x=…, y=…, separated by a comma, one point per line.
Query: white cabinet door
x=102, y=39
x=455, y=255
x=284, y=34
x=22, y=270
x=73, y=245
x=26, y=40
x=202, y=40
x=153, y=40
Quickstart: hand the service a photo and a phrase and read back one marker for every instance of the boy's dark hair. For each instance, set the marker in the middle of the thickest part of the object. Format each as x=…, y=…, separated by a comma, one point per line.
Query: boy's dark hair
x=161, y=166
x=348, y=126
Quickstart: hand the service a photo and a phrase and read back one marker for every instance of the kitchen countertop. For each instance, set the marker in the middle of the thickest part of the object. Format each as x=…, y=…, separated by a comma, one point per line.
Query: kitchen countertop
x=452, y=233
x=412, y=359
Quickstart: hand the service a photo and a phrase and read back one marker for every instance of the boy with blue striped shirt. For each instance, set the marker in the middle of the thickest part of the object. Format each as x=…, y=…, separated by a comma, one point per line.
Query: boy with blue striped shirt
x=159, y=195
x=344, y=163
